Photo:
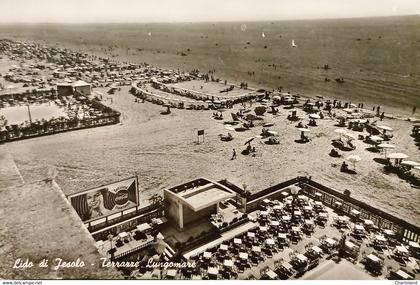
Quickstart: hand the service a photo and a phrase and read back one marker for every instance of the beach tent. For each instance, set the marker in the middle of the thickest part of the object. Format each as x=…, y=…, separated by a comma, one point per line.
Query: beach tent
x=397, y=155
x=386, y=146
x=386, y=128
x=410, y=163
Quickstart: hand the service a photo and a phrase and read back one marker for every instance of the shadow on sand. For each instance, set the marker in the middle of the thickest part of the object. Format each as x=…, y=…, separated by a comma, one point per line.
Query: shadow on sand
x=301, y=141
x=372, y=149
x=381, y=160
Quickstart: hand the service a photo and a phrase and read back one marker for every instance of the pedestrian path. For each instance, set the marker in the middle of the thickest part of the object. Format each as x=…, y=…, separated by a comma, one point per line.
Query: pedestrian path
x=9, y=173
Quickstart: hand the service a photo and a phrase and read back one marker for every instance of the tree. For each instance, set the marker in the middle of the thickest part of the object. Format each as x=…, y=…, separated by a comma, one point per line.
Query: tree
x=156, y=200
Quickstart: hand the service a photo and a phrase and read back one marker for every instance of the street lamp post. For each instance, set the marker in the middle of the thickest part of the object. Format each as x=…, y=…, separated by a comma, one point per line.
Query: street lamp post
x=29, y=113
x=294, y=191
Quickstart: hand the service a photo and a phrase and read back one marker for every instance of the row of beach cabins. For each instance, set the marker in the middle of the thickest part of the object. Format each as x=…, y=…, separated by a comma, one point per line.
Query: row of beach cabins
x=194, y=100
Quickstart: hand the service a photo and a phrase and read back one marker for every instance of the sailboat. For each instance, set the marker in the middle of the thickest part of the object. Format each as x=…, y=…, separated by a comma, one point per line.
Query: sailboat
x=293, y=43
x=150, y=34
x=263, y=35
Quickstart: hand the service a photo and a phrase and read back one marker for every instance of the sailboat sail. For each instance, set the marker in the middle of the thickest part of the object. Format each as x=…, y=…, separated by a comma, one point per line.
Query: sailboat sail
x=293, y=43
x=263, y=35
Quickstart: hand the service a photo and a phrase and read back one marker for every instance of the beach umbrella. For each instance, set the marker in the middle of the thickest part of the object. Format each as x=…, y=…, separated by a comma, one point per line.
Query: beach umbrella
x=228, y=263
x=271, y=274
x=314, y=116
x=212, y=271
x=397, y=155
x=249, y=140
x=360, y=121
x=243, y=255
x=350, y=136
x=270, y=241
x=410, y=163
x=294, y=189
x=123, y=234
x=354, y=159
x=237, y=241
x=376, y=138
x=256, y=248
x=386, y=146
x=272, y=133
x=304, y=130
x=386, y=128
x=340, y=131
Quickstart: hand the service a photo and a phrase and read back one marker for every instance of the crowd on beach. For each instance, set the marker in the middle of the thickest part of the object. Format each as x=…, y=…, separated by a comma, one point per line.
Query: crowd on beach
x=154, y=85
x=353, y=122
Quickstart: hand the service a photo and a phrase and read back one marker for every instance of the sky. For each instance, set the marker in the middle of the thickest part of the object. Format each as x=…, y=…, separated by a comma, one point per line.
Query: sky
x=123, y=11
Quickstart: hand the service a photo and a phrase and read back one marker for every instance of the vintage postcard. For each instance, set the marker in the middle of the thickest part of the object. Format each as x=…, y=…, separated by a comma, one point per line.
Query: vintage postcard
x=209, y=140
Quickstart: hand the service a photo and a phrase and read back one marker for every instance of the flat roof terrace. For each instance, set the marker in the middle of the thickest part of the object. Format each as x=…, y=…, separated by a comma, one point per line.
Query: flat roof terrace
x=207, y=195
x=201, y=193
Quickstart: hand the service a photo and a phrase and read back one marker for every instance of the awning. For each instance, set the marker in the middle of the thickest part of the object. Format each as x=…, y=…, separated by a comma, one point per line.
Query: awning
x=256, y=248
x=213, y=271
x=143, y=227
x=372, y=257
x=316, y=249
x=270, y=273
x=207, y=255
x=243, y=255
x=301, y=257
x=172, y=272
x=228, y=263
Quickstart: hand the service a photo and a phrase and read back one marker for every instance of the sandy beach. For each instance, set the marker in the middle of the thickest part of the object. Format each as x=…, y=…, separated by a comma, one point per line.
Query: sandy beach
x=206, y=140
x=163, y=151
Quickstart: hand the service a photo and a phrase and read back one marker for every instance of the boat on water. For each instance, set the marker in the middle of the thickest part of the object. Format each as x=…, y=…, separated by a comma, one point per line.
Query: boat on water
x=293, y=43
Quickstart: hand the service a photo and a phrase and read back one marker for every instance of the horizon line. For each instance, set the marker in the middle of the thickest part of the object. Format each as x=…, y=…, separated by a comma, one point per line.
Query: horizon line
x=208, y=21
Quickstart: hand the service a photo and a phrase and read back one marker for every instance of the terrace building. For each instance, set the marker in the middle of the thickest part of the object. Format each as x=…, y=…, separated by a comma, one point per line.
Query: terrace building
x=195, y=200
x=78, y=87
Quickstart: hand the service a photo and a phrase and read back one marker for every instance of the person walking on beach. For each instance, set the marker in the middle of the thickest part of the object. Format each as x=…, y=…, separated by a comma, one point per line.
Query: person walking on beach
x=382, y=116
x=233, y=154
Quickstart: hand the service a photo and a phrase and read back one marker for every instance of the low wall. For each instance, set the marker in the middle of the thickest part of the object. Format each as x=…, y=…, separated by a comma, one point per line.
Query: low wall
x=126, y=222
x=405, y=230
x=59, y=127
